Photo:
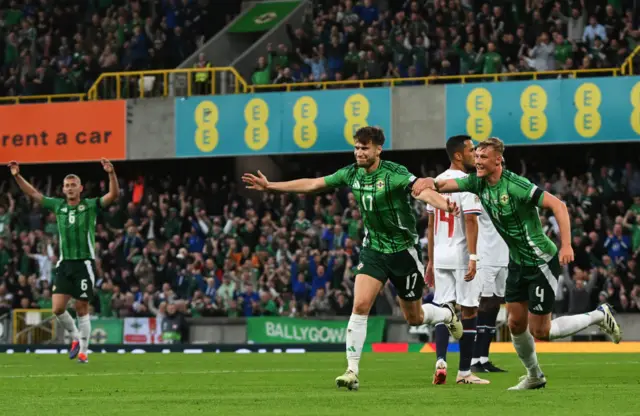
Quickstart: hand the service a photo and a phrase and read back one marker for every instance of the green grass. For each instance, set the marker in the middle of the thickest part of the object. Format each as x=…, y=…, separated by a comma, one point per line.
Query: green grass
x=303, y=384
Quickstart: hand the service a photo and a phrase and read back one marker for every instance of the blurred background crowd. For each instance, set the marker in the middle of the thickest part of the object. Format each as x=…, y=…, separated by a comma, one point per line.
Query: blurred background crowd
x=191, y=237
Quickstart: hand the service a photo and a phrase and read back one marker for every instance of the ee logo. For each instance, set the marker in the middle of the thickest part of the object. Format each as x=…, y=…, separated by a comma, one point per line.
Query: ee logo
x=256, y=114
x=588, y=120
x=305, y=131
x=479, y=124
x=356, y=111
x=533, y=102
x=206, y=117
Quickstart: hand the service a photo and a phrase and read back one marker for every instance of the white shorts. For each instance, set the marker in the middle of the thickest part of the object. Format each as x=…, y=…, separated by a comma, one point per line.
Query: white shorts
x=493, y=280
x=451, y=287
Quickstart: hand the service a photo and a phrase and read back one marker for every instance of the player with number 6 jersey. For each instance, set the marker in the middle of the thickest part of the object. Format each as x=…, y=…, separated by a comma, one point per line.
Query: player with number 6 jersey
x=75, y=270
x=382, y=190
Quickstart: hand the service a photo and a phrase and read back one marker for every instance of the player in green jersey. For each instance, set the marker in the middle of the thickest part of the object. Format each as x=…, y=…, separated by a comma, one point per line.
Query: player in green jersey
x=512, y=203
x=382, y=190
x=75, y=270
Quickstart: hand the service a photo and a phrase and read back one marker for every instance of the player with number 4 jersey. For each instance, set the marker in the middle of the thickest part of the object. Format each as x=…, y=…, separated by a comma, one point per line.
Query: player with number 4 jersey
x=382, y=190
x=512, y=203
x=452, y=262
x=75, y=269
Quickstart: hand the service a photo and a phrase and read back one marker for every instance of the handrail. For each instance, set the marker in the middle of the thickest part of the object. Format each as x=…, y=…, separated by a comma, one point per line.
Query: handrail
x=240, y=85
x=430, y=79
x=628, y=63
x=19, y=99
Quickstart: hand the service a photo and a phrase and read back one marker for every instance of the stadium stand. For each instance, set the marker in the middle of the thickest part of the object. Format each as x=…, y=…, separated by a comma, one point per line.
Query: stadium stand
x=349, y=41
x=195, y=239
x=62, y=48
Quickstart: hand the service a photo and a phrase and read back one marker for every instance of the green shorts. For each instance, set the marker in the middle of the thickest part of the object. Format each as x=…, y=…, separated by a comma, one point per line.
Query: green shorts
x=536, y=285
x=404, y=269
x=75, y=278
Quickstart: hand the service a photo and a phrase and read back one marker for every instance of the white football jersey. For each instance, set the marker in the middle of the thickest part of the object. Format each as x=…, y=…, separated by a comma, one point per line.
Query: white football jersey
x=492, y=250
x=450, y=249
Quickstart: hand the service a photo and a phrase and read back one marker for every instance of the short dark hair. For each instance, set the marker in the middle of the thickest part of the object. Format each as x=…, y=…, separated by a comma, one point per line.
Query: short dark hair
x=455, y=144
x=369, y=134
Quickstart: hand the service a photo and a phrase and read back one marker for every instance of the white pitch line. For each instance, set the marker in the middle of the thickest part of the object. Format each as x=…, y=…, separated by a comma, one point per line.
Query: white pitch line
x=156, y=373
x=274, y=370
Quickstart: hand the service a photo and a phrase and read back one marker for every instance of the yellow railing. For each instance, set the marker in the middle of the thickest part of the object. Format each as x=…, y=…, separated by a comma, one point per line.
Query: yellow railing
x=26, y=99
x=181, y=82
x=158, y=83
x=627, y=66
x=393, y=82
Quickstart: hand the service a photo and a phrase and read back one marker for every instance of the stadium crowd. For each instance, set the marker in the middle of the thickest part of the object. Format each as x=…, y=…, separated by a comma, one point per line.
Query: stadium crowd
x=213, y=250
x=51, y=47
x=349, y=40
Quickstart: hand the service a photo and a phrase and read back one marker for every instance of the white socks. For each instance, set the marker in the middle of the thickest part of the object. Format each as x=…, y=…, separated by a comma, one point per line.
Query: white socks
x=526, y=348
x=84, y=324
x=435, y=314
x=356, y=334
x=569, y=325
x=68, y=323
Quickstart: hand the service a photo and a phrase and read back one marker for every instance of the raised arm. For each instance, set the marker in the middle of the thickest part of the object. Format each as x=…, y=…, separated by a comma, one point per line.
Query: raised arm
x=24, y=185
x=114, y=187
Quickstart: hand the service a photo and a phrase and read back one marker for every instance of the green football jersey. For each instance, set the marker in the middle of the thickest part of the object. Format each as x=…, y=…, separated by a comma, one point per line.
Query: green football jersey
x=512, y=206
x=384, y=199
x=76, y=227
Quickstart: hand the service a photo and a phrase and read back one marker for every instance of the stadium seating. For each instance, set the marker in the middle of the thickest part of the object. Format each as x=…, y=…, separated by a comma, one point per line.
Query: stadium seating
x=215, y=253
x=62, y=49
x=350, y=41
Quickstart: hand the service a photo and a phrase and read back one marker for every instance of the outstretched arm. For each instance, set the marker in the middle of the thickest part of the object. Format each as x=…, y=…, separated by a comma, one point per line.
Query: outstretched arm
x=24, y=185
x=437, y=201
x=562, y=216
x=114, y=187
x=446, y=186
x=301, y=186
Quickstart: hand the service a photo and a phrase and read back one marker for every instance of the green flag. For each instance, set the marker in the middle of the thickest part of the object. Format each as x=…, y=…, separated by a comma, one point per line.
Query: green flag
x=106, y=331
x=263, y=16
x=267, y=330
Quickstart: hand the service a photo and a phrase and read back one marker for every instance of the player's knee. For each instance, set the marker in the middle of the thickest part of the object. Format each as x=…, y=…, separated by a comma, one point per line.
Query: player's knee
x=58, y=310
x=360, y=308
x=468, y=312
x=517, y=326
x=540, y=332
x=413, y=319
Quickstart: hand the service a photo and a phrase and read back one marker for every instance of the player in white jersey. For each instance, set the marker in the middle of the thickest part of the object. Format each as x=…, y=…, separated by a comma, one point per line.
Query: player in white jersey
x=452, y=262
x=492, y=274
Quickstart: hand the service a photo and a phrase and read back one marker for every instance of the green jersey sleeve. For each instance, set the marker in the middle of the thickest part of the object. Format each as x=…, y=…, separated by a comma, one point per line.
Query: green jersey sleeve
x=401, y=178
x=525, y=191
x=341, y=177
x=95, y=204
x=51, y=204
x=470, y=183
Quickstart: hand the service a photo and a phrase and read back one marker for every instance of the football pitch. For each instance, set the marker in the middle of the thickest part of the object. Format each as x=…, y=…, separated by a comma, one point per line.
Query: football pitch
x=303, y=384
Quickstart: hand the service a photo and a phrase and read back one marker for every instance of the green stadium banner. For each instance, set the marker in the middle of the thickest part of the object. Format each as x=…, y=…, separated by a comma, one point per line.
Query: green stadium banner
x=106, y=331
x=268, y=330
x=263, y=16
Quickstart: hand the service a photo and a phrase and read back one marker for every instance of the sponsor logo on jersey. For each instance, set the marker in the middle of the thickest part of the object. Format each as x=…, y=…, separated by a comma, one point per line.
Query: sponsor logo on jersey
x=360, y=266
x=504, y=199
x=537, y=308
x=84, y=295
x=380, y=184
x=63, y=209
x=356, y=185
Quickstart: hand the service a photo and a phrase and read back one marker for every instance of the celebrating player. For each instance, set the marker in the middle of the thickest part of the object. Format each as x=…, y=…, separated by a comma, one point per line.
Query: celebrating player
x=382, y=190
x=492, y=274
x=75, y=270
x=452, y=263
x=512, y=201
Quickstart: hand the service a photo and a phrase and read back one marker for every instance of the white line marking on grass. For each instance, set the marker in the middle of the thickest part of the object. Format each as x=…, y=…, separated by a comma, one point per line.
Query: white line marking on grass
x=159, y=373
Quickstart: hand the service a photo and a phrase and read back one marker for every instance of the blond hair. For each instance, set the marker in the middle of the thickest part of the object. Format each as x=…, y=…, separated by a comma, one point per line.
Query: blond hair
x=74, y=177
x=494, y=142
